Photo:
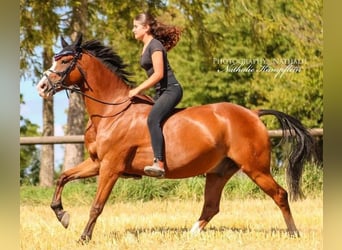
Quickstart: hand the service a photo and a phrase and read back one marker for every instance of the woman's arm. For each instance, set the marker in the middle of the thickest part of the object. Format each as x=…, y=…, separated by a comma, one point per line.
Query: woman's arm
x=158, y=74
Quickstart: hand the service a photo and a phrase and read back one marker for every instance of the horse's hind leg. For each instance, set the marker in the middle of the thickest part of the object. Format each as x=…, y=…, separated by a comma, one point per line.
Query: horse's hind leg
x=88, y=168
x=263, y=178
x=214, y=185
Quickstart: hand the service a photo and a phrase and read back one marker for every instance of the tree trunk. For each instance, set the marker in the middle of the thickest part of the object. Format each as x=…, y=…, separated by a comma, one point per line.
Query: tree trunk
x=74, y=153
x=47, y=158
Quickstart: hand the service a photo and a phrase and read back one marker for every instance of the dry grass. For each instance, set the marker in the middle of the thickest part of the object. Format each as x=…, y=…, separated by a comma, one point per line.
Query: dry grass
x=241, y=224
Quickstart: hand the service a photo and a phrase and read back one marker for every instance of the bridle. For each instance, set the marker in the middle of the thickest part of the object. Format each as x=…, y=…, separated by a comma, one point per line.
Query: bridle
x=59, y=84
x=55, y=86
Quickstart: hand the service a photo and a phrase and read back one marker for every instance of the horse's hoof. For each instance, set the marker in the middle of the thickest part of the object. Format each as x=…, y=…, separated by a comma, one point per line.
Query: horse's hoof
x=65, y=220
x=195, y=230
x=84, y=240
x=293, y=233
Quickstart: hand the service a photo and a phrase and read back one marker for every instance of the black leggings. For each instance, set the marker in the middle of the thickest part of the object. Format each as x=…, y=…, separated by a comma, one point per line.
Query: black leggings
x=161, y=110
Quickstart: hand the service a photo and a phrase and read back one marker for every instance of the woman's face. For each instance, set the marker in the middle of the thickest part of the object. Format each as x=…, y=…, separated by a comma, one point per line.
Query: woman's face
x=139, y=30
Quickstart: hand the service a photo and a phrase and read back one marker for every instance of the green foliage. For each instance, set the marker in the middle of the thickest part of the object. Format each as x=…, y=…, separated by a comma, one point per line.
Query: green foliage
x=35, y=195
x=127, y=190
x=259, y=35
x=312, y=180
x=38, y=27
x=147, y=189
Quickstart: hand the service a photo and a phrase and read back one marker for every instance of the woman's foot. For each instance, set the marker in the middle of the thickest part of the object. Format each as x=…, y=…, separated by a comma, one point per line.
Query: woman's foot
x=156, y=170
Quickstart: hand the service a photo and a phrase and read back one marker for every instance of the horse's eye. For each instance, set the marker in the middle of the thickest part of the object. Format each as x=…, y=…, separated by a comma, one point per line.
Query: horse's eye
x=65, y=61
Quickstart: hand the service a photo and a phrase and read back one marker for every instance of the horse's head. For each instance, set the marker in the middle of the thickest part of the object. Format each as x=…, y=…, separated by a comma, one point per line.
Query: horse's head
x=64, y=71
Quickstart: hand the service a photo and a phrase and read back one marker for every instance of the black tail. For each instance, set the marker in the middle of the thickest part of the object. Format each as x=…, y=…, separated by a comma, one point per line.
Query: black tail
x=303, y=147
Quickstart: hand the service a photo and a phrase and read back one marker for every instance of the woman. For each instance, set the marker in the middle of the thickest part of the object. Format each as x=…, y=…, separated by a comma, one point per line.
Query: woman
x=157, y=39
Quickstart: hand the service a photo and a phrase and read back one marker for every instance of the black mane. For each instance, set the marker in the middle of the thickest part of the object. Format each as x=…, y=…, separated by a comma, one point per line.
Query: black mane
x=110, y=58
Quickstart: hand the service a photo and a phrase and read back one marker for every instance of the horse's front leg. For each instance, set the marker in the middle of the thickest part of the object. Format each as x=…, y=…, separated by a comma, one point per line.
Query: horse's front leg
x=88, y=168
x=106, y=181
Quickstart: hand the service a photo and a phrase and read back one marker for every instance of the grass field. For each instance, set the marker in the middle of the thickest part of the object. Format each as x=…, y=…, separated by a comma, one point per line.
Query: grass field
x=165, y=224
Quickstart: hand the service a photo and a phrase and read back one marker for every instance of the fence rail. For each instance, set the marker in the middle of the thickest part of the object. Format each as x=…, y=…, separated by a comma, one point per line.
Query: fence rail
x=80, y=138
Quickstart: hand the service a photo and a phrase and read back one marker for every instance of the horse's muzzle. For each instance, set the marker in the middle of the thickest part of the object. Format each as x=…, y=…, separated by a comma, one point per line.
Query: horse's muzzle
x=43, y=88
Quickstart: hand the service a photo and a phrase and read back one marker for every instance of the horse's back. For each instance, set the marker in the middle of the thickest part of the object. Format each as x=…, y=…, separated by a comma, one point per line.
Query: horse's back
x=224, y=113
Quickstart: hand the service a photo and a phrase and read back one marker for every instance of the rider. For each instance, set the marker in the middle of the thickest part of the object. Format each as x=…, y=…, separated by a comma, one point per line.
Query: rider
x=157, y=39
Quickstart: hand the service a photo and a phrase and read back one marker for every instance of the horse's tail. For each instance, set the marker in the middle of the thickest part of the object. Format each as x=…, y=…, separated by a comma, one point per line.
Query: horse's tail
x=303, y=145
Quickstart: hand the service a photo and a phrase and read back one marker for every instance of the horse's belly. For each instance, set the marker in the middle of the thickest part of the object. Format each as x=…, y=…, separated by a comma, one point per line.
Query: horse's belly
x=194, y=147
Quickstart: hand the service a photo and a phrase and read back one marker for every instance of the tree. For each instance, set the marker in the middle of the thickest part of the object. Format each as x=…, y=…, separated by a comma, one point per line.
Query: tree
x=39, y=27
x=74, y=153
x=47, y=159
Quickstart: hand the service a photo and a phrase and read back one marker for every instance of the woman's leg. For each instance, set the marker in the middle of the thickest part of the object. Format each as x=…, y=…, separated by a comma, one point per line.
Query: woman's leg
x=161, y=110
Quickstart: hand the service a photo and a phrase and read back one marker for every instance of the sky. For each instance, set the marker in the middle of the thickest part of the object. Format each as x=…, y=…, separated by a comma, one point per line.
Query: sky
x=32, y=110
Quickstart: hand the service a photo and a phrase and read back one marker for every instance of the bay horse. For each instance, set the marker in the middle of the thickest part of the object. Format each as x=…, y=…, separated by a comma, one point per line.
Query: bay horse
x=216, y=140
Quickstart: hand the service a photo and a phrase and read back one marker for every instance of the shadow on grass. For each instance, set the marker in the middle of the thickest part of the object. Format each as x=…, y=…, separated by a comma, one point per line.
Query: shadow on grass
x=179, y=231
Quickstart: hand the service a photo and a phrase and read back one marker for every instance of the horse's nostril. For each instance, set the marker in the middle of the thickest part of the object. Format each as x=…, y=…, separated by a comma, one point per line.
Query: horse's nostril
x=42, y=86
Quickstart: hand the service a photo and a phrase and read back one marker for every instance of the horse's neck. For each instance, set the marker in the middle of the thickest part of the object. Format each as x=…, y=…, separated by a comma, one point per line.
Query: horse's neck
x=104, y=86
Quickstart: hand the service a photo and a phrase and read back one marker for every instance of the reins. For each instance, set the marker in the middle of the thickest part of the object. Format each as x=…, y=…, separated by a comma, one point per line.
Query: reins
x=78, y=91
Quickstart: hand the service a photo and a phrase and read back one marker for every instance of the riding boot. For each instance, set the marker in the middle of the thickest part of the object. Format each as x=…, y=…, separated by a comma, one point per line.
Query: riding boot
x=156, y=170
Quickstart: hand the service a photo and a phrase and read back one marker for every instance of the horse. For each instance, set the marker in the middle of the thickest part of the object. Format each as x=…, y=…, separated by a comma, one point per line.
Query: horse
x=214, y=140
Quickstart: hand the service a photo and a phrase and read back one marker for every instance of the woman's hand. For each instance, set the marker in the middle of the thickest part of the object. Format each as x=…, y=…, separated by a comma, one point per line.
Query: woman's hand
x=133, y=92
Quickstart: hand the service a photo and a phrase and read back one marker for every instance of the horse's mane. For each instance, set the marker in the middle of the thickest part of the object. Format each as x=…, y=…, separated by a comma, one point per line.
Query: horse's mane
x=110, y=58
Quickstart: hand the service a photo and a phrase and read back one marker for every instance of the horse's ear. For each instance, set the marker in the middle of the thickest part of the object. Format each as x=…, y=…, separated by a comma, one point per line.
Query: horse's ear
x=79, y=40
x=64, y=43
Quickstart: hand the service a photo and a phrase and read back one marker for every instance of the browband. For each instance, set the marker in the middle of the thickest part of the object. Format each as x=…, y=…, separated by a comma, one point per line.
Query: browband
x=58, y=56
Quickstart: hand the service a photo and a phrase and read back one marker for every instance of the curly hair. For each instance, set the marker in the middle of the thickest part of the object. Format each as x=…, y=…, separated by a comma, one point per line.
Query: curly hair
x=168, y=35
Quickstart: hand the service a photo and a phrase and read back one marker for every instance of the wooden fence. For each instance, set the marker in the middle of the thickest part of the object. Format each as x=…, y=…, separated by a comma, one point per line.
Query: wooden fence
x=80, y=138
